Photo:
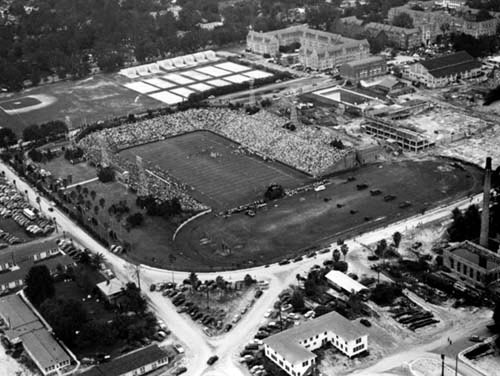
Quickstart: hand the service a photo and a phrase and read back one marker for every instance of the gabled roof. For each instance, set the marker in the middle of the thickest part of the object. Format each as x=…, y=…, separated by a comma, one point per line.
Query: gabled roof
x=456, y=63
x=128, y=362
x=287, y=344
x=391, y=28
x=344, y=281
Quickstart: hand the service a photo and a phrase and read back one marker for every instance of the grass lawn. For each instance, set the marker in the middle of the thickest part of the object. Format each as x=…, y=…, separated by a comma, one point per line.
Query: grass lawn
x=60, y=167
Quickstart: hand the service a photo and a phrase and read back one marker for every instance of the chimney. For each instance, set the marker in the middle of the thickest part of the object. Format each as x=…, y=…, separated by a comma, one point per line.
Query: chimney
x=485, y=216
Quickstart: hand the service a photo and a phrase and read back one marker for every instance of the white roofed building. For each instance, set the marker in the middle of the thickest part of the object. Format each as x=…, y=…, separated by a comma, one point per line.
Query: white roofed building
x=292, y=349
x=343, y=282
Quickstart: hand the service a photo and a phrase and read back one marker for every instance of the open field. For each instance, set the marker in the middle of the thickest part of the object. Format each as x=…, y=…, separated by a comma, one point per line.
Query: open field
x=221, y=173
x=295, y=223
x=96, y=98
x=60, y=167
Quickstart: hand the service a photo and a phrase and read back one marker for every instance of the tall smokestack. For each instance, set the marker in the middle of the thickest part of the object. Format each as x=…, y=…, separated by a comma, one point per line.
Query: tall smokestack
x=485, y=217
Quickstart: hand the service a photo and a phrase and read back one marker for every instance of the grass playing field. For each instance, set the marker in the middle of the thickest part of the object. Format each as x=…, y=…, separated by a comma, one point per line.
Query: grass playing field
x=222, y=175
x=82, y=102
x=296, y=223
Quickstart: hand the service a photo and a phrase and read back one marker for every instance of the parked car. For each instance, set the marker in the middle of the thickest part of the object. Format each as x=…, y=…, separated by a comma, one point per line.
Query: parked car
x=365, y=322
x=212, y=360
x=180, y=371
x=179, y=348
x=258, y=293
x=476, y=338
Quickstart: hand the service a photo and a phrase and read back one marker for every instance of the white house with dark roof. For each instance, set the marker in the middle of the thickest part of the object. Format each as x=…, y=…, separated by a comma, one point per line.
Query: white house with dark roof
x=292, y=349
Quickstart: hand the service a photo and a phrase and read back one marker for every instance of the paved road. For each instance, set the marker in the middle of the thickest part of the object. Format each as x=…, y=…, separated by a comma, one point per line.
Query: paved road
x=199, y=347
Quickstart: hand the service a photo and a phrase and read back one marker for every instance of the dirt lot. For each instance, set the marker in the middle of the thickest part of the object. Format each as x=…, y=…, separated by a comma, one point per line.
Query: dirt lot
x=60, y=167
x=490, y=364
x=222, y=174
x=292, y=224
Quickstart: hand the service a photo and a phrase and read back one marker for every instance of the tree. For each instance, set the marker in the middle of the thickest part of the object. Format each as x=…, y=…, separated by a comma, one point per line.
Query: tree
x=7, y=137
x=336, y=255
x=297, y=300
x=384, y=293
x=193, y=279
x=132, y=300
x=344, y=249
x=220, y=283
x=102, y=201
x=381, y=247
x=93, y=194
x=403, y=20
x=135, y=220
x=274, y=192
x=97, y=259
x=39, y=284
x=106, y=174
x=32, y=133
x=396, y=238
x=66, y=317
x=496, y=316
x=248, y=280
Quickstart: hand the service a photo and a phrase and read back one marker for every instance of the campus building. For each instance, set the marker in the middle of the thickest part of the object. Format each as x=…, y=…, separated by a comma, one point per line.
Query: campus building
x=440, y=71
x=16, y=261
x=138, y=362
x=292, y=349
x=363, y=69
x=22, y=326
x=319, y=50
x=472, y=264
x=399, y=37
x=434, y=21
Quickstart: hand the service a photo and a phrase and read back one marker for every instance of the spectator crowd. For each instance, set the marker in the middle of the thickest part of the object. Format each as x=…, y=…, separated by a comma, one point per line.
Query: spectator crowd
x=263, y=133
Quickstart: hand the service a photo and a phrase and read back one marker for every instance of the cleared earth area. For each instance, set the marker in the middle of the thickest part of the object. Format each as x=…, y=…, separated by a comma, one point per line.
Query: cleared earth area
x=287, y=227
x=223, y=174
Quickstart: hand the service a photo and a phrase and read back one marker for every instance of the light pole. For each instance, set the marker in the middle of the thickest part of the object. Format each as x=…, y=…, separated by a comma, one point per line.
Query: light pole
x=442, y=364
x=456, y=365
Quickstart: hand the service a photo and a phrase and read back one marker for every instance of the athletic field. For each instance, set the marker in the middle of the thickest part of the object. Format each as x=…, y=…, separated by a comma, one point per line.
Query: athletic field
x=288, y=227
x=75, y=102
x=222, y=174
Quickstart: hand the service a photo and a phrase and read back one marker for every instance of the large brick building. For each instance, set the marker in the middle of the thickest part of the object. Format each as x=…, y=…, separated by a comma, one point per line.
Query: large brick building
x=400, y=37
x=472, y=264
x=434, y=21
x=363, y=69
x=319, y=50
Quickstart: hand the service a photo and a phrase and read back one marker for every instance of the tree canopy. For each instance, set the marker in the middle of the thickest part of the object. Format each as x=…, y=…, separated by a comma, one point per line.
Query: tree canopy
x=39, y=284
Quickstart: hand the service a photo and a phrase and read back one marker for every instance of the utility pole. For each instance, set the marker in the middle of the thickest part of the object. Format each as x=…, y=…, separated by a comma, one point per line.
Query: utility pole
x=456, y=365
x=442, y=364
x=137, y=272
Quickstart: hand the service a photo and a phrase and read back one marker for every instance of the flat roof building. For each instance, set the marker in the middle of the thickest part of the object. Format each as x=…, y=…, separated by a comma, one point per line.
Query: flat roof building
x=111, y=289
x=342, y=281
x=292, y=349
x=24, y=326
x=138, y=362
x=363, y=69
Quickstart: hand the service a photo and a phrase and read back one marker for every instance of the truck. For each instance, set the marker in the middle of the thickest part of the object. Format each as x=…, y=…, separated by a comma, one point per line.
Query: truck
x=28, y=213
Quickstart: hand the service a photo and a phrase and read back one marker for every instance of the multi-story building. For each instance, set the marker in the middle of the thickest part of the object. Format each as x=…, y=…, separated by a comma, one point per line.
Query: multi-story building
x=24, y=327
x=472, y=264
x=16, y=261
x=400, y=37
x=363, y=69
x=319, y=50
x=441, y=71
x=135, y=363
x=292, y=349
x=434, y=21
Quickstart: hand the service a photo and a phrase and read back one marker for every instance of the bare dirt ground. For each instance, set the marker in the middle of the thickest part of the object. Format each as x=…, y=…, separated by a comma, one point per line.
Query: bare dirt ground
x=10, y=367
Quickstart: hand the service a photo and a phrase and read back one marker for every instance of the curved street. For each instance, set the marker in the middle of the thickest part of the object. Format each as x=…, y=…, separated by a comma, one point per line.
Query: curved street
x=198, y=346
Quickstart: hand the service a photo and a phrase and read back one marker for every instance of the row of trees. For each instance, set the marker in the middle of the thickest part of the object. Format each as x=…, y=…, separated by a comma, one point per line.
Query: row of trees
x=45, y=131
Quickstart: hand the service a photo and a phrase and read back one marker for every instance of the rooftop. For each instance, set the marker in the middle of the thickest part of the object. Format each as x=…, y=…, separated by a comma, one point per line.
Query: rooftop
x=366, y=61
x=287, y=344
x=26, y=251
x=24, y=324
x=472, y=252
x=111, y=287
x=392, y=28
x=455, y=63
x=344, y=281
x=128, y=362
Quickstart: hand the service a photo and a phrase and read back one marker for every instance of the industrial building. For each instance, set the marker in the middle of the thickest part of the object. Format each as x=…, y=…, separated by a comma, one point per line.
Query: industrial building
x=441, y=71
x=292, y=349
x=343, y=282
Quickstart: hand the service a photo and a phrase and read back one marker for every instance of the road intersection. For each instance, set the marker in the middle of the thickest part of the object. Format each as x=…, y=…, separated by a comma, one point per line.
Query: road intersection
x=198, y=346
